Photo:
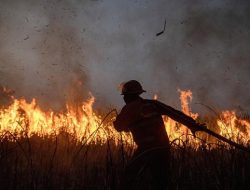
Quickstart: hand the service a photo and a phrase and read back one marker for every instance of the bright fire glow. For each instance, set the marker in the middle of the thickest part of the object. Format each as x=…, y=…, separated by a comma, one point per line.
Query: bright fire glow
x=24, y=118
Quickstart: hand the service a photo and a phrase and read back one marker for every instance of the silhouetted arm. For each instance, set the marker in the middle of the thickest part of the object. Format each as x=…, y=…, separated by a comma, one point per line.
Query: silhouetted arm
x=176, y=115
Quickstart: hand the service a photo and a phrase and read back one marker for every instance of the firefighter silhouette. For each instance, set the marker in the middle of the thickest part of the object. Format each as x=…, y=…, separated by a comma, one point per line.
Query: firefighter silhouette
x=143, y=118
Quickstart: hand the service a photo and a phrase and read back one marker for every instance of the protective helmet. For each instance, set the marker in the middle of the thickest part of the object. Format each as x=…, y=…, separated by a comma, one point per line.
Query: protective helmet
x=132, y=87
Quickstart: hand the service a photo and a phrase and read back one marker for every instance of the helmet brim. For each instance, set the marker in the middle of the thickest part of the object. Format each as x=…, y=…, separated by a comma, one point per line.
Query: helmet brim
x=129, y=93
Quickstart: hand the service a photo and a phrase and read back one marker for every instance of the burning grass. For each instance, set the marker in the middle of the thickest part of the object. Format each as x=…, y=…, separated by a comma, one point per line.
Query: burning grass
x=79, y=149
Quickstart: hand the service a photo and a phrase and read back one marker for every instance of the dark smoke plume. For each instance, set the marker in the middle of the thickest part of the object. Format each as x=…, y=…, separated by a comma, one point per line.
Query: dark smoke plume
x=58, y=51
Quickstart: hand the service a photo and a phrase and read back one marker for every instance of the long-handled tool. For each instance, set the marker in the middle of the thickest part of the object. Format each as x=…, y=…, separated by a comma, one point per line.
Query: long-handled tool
x=194, y=126
x=202, y=128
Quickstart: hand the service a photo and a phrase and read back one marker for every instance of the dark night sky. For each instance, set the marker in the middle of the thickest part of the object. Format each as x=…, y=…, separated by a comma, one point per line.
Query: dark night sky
x=47, y=46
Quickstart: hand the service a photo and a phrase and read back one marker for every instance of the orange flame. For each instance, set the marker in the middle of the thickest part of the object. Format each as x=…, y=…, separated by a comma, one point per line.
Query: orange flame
x=233, y=127
x=229, y=125
x=27, y=118
x=176, y=130
x=22, y=118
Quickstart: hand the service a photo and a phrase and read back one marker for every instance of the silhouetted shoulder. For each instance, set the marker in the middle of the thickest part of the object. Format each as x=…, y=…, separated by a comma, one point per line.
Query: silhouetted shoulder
x=156, y=104
x=150, y=108
x=163, y=109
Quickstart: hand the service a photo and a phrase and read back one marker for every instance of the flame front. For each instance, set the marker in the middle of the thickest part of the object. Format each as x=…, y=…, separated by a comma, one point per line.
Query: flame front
x=228, y=125
x=22, y=118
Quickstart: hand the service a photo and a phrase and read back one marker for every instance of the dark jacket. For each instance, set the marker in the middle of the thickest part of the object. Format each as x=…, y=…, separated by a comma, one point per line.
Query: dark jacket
x=143, y=118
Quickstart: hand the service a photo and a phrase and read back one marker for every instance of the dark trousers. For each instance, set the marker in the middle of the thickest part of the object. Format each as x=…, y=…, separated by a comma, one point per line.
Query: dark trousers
x=148, y=169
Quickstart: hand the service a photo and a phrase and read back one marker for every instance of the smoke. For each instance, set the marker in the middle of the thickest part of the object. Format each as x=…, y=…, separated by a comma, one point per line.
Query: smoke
x=41, y=55
x=60, y=51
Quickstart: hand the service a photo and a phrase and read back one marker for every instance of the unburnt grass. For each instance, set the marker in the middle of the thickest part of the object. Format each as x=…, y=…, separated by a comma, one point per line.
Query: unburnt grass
x=62, y=162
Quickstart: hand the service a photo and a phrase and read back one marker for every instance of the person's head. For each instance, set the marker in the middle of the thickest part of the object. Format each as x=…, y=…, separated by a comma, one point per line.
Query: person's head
x=131, y=91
